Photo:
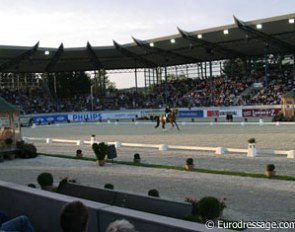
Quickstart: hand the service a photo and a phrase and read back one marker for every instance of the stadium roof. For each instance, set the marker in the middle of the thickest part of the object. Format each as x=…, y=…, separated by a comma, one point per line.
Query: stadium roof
x=274, y=35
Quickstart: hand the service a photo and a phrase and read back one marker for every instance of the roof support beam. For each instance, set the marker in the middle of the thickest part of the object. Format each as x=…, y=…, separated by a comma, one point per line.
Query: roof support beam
x=128, y=53
x=94, y=59
x=16, y=60
x=208, y=45
x=55, y=59
x=265, y=37
x=145, y=46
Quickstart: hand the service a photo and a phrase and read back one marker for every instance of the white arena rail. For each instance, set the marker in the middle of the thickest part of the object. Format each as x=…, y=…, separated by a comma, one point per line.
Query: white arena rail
x=163, y=147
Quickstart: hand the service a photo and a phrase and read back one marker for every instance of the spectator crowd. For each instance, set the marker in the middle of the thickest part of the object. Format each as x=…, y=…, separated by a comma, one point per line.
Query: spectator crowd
x=220, y=91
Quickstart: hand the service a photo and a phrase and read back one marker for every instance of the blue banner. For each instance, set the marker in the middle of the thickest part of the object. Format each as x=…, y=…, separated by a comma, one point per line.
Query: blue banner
x=87, y=116
x=190, y=114
x=50, y=118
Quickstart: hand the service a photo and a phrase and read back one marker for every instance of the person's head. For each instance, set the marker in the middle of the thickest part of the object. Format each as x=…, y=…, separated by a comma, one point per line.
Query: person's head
x=74, y=217
x=153, y=193
x=120, y=226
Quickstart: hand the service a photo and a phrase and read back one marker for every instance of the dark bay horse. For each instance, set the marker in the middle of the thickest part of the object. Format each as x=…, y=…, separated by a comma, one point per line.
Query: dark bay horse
x=171, y=119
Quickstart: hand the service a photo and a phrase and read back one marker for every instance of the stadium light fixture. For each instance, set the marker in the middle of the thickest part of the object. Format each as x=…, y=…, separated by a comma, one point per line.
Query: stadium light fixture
x=200, y=36
x=152, y=44
x=225, y=31
x=47, y=52
x=291, y=21
x=259, y=26
x=172, y=41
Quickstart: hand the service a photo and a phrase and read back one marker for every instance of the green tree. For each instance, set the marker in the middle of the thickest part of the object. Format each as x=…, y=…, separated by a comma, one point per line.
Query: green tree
x=233, y=67
x=69, y=84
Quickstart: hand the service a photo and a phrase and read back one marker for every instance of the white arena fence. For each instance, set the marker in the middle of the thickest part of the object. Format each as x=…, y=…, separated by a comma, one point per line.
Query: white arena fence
x=250, y=151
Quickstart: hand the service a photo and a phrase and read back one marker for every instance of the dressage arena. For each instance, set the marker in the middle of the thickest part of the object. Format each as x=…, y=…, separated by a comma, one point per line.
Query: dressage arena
x=247, y=198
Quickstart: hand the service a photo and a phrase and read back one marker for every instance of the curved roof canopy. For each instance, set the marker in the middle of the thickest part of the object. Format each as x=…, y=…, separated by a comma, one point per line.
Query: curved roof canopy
x=274, y=35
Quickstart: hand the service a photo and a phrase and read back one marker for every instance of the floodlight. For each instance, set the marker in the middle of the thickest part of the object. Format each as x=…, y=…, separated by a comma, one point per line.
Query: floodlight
x=291, y=21
x=225, y=31
x=259, y=26
x=47, y=53
x=152, y=44
x=172, y=41
x=200, y=36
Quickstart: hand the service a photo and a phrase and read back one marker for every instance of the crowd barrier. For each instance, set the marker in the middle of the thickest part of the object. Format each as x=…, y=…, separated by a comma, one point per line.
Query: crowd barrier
x=43, y=209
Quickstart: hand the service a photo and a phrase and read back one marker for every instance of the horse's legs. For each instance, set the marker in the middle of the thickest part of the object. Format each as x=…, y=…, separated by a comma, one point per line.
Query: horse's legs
x=163, y=125
x=158, y=123
x=176, y=125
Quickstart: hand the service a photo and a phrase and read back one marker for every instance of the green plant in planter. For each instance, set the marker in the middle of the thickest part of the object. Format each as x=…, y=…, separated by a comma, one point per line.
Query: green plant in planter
x=100, y=150
x=209, y=208
x=270, y=170
x=26, y=150
x=189, y=161
x=189, y=164
x=136, y=158
x=79, y=153
x=270, y=167
x=252, y=140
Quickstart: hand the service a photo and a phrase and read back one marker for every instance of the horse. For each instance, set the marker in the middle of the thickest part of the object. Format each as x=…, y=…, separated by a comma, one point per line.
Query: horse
x=170, y=119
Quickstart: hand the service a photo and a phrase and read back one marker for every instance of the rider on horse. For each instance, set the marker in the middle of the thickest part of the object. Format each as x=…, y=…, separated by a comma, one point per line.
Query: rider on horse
x=167, y=112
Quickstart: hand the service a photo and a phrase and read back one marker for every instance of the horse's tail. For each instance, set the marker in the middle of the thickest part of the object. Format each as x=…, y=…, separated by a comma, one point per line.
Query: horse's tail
x=157, y=118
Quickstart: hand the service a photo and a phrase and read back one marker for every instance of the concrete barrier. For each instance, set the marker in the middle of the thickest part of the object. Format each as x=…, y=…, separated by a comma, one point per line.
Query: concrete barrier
x=155, y=205
x=43, y=209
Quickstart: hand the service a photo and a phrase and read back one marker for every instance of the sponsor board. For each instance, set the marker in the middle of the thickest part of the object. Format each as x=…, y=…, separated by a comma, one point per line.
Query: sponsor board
x=50, y=118
x=190, y=114
x=260, y=112
x=87, y=116
x=212, y=113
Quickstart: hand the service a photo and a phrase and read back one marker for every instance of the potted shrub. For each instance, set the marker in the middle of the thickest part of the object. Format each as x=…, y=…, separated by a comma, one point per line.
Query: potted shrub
x=79, y=153
x=252, y=147
x=189, y=164
x=270, y=170
x=136, y=158
x=45, y=180
x=100, y=150
x=26, y=150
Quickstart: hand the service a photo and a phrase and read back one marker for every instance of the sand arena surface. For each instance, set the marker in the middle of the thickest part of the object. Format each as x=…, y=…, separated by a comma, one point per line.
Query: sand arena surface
x=247, y=198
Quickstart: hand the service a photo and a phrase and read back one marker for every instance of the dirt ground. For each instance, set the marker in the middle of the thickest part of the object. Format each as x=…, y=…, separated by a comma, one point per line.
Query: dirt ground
x=247, y=198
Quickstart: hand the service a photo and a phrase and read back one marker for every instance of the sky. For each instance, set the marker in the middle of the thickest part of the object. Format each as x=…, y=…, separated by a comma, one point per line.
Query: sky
x=75, y=22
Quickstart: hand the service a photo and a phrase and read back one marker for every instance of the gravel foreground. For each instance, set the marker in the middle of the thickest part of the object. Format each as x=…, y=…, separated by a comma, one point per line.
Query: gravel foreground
x=248, y=199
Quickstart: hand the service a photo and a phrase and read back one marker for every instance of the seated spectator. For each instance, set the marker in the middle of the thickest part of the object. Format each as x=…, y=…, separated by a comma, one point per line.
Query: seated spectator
x=74, y=217
x=17, y=224
x=120, y=226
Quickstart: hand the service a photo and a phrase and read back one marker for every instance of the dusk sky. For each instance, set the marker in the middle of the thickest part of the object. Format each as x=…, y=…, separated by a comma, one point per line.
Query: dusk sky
x=74, y=22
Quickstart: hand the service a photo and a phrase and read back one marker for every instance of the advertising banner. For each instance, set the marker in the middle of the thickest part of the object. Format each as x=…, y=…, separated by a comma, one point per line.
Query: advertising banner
x=260, y=112
x=87, y=116
x=190, y=114
x=56, y=118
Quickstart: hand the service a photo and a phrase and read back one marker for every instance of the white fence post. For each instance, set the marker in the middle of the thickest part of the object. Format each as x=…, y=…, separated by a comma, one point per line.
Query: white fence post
x=219, y=151
x=252, y=152
x=291, y=154
x=163, y=147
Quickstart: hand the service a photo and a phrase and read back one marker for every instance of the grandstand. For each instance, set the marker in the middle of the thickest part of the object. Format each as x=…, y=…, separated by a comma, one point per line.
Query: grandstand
x=245, y=63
